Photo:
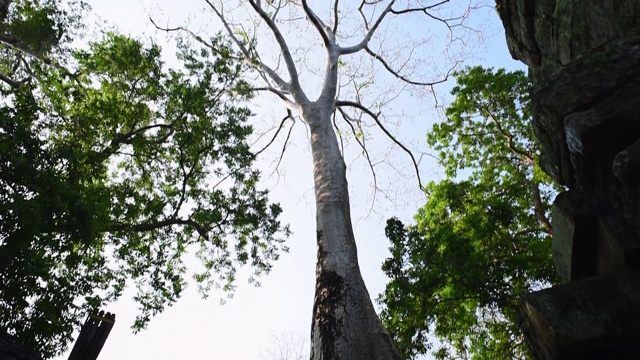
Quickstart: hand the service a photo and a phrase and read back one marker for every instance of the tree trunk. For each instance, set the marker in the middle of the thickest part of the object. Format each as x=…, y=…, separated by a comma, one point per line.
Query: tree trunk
x=345, y=325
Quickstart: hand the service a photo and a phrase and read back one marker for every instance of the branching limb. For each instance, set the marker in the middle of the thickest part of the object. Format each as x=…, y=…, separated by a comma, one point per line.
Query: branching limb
x=422, y=154
x=291, y=105
x=247, y=58
x=376, y=119
x=404, y=78
x=323, y=30
x=296, y=88
x=202, y=230
x=19, y=46
x=422, y=9
x=338, y=132
x=284, y=146
x=275, y=136
x=195, y=36
x=370, y=30
x=538, y=207
x=508, y=136
x=335, y=17
x=14, y=84
x=186, y=176
x=350, y=122
x=277, y=9
x=524, y=232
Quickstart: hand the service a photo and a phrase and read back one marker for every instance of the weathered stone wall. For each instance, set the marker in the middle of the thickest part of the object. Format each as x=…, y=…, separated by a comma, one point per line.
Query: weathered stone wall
x=584, y=61
x=12, y=350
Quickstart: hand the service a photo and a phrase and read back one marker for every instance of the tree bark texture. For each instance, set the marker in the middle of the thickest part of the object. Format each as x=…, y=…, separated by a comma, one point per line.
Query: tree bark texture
x=345, y=325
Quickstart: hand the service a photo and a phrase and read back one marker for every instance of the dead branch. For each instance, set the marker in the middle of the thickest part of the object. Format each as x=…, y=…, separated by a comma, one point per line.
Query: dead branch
x=296, y=88
x=287, y=117
x=318, y=24
x=335, y=126
x=349, y=122
x=375, y=118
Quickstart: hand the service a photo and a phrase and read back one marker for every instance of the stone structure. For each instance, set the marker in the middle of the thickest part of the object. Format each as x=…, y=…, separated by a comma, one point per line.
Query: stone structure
x=584, y=61
x=10, y=349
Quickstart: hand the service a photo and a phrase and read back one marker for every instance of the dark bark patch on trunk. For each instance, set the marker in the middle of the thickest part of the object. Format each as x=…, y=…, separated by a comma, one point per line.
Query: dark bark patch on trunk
x=327, y=314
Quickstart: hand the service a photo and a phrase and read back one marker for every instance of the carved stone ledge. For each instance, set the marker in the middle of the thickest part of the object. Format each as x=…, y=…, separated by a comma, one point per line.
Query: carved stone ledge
x=578, y=101
x=594, y=318
x=575, y=227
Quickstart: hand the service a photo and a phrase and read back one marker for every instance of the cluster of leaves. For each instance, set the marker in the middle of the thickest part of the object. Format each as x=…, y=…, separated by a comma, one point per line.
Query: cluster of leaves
x=112, y=168
x=36, y=31
x=483, y=238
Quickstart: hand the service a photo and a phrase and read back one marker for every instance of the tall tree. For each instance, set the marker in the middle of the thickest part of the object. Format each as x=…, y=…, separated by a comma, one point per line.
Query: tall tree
x=483, y=238
x=344, y=322
x=112, y=168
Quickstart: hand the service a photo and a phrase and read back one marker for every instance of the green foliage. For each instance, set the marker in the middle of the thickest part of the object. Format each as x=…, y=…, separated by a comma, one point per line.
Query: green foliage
x=483, y=238
x=111, y=171
x=34, y=31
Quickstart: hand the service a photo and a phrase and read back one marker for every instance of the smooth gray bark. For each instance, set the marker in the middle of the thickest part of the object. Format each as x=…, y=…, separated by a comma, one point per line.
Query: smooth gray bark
x=345, y=324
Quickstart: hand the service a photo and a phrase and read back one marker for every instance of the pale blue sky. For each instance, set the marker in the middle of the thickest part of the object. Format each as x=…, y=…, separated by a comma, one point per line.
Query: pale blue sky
x=204, y=329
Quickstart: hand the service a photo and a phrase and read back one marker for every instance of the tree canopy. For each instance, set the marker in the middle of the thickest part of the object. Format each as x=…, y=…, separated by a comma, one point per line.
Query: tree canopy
x=483, y=237
x=113, y=167
x=333, y=65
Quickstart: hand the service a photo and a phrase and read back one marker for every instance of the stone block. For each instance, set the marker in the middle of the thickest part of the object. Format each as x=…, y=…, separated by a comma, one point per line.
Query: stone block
x=579, y=101
x=594, y=318
x=618, y=244
x=548, y=34
x=575, y=229
x=596, y=135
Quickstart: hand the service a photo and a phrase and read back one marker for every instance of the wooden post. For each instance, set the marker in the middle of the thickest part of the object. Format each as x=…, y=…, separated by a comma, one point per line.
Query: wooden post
x=93, y=335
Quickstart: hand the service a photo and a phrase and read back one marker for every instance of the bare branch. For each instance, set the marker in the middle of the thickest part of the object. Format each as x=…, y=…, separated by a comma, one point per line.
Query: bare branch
x=289, y=116
x=370, y=31
x=335, y=17
x=376, y=118
x=296, y=89
x=275, y=13
x=319, y=25
x=422, y=154
x=253, y=63
x=291, y=105
x=195, y=36
x=335, y=126
x=350, y=121
x=404, y=78
x=422, y=9
x=284, y=148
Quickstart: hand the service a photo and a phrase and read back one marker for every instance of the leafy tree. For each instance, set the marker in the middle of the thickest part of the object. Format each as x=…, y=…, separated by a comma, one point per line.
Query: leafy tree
x=112, y=168
x=481, y=240
x=352, y=55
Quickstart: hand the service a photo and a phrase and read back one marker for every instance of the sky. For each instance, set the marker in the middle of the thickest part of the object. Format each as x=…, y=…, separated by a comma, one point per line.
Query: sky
x=245, y=326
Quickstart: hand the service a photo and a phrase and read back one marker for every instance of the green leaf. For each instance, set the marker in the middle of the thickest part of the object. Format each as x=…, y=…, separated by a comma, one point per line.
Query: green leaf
x=457, y=275
x=108, y=168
